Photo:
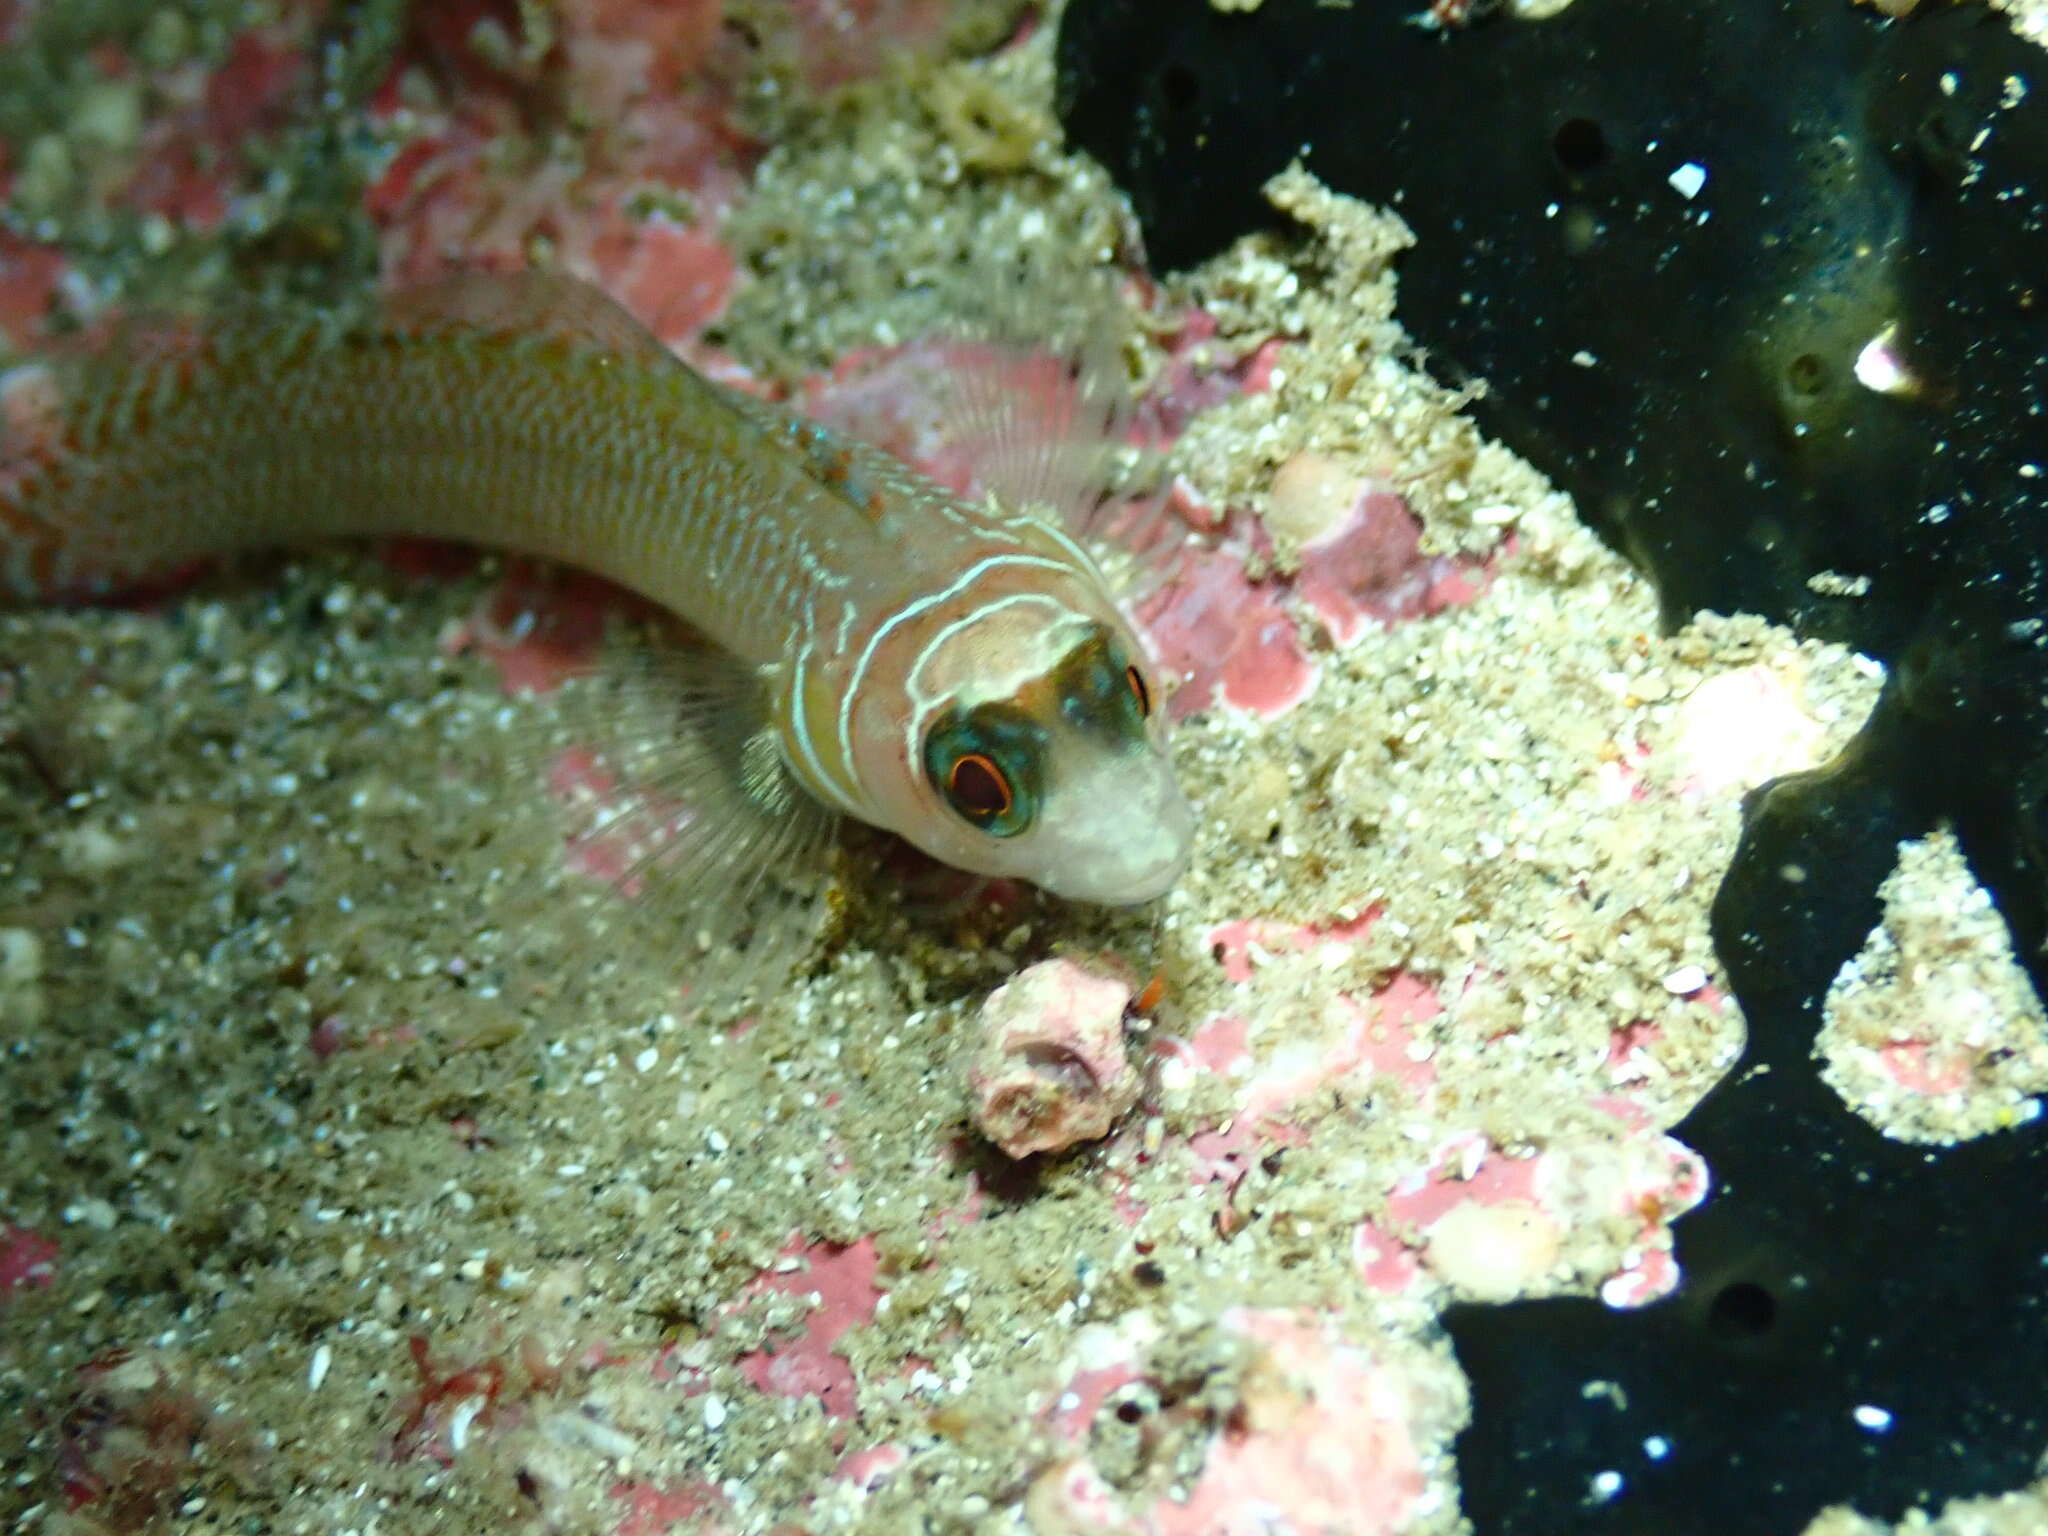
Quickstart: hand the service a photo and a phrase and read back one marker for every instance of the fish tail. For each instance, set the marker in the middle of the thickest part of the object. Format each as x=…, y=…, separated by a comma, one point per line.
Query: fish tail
x=467, y=410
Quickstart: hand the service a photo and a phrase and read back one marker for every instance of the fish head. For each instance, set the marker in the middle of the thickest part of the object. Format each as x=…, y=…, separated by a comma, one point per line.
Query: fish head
x=1040, y=751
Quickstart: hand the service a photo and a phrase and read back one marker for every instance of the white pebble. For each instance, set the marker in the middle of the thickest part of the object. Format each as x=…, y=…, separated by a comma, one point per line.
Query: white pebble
x=1492, y=1252
x=459, y=1422
x=92, y=850
x=1686, y=980
x=21, y=957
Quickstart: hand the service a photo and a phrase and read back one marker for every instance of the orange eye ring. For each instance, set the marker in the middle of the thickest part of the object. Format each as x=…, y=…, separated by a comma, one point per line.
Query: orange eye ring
x=1139, y=691
x=985, y=765
x=978, y=788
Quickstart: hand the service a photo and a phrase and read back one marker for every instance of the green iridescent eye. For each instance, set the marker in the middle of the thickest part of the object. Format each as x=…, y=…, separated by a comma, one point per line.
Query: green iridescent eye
x=984, y=764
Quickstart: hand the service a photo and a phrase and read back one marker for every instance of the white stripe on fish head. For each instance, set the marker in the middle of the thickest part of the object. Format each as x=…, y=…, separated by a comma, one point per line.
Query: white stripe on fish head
x=924, y=704
x=910, y=613
x=837, y=789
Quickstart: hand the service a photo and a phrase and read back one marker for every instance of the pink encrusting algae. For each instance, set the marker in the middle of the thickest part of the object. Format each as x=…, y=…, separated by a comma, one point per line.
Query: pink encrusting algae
x=1487, y=1223
x=28, y=1260
x=1230, y=639
x=1317, y=1437
x=654, y=1509
x=28, y=284
x=842, y=1282
x=656, y=84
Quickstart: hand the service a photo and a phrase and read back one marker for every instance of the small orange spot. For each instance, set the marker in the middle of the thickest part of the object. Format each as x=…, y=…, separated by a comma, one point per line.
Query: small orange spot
x=24, y=524
x=1153, y=995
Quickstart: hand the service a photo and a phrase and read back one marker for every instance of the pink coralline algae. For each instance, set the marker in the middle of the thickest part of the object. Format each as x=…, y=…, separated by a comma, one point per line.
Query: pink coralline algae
x=661, y=81
x=1378, y=1034
x=871, y=1468
x=190, y=158
x=1473, y=1217
x=1492, y=1226
x=1051, y=1071
x=1229, y=638
x=899, y=398
x=1239, y=946
x=839, y=41
x=1377, y=1038
x=130, y=1443
x=187, y=158
x=1321, y=1440
x=540, y=626
x=1357, y=1039
x=652, y=1509
x=1915, y=1066
x=1198, y=372
x=1226, y=639
x=28, y=283
x=656, y=83
x=843, y=1281
x=28, y=1261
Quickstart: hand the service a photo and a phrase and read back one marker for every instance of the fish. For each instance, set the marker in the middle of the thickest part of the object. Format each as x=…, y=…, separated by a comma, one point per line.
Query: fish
x=950, y=666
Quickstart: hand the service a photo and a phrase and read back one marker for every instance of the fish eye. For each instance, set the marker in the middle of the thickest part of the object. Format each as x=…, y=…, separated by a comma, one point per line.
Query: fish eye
x=1139, y=691
x=978, y=788
x=983, y=764
x=1100, y=689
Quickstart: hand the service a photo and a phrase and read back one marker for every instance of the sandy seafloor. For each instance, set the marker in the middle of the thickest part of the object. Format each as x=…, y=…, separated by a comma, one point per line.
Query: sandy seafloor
x=347, y=1189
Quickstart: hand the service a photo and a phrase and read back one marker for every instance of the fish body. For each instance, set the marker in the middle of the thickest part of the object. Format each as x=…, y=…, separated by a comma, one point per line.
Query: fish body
x=951, y=668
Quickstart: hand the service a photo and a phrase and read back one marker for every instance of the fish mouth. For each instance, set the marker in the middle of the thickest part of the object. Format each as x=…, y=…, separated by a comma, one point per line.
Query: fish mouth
x=1150, y=885
x=1142, y=868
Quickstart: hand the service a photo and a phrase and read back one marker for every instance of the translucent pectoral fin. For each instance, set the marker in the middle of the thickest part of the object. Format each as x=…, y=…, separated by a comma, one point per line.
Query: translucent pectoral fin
x=680, y=828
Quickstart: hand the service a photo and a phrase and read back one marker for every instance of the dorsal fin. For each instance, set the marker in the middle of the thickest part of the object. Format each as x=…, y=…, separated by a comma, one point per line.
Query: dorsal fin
x=1034, y=389
x=1021, y=392
x=550, y=304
